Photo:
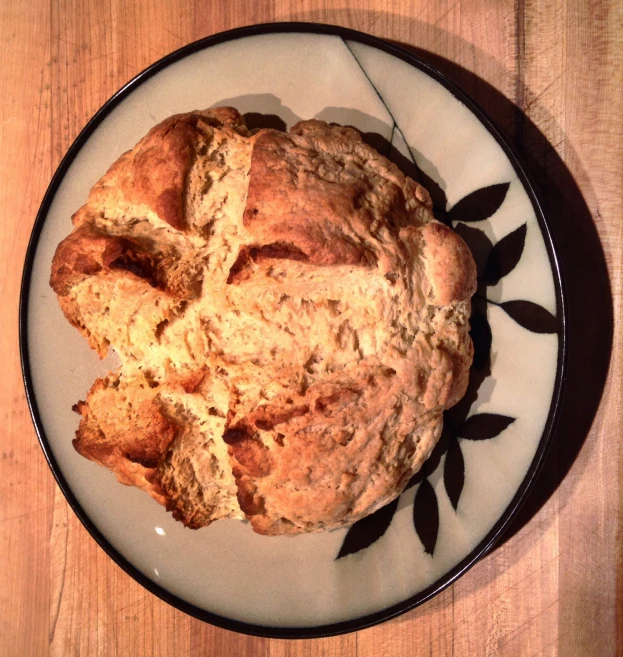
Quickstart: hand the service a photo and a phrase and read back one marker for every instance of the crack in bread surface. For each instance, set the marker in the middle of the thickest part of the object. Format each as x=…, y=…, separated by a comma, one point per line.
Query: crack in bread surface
x=303, y=326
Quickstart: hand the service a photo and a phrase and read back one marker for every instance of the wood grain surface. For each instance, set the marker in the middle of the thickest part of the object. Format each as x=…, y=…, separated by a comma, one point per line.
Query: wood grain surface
x=550, y=73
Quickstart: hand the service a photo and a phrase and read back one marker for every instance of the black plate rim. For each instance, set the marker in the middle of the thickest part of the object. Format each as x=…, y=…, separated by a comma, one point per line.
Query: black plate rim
x=493, y=536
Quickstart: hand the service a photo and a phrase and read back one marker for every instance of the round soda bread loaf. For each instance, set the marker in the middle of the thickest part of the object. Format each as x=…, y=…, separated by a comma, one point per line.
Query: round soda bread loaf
x=290, y=318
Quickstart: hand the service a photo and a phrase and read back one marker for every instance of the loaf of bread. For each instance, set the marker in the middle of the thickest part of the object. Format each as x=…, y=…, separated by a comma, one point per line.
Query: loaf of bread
x=290, y=318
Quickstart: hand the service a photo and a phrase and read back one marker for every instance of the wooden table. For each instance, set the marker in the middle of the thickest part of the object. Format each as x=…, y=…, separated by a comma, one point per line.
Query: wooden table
x=550, y=73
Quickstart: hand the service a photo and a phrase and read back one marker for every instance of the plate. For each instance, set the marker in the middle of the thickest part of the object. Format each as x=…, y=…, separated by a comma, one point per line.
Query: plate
x=494, y=440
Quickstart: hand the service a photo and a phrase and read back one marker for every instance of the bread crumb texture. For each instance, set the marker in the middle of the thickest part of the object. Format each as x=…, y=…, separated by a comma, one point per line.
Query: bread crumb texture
x=291, y=321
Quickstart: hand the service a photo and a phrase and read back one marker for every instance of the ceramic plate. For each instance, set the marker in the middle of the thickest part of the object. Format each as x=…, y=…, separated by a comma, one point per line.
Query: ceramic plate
x=493, y=442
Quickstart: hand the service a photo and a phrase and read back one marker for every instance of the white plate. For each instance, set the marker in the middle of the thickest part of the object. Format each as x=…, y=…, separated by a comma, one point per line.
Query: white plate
x=495, y=440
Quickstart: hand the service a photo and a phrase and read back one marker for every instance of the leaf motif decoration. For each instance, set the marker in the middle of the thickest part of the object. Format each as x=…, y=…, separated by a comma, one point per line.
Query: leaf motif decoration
x=505, y=255
x=479, y=205
x=531, y=316
x=454, y=472
x=478, y=242
x=484, y=426
x=416, y=479
x=426, y=516
x=480, y=333
x=368, y=530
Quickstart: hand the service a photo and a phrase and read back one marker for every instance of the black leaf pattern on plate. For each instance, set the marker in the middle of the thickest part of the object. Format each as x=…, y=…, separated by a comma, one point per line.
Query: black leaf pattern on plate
x=454, y=472
x=493, y=262
x=480, y=333
x=416, y=479
x=368, y=530
x=479, y=244
x=426, y=516
x=531, y=316
x=484, y=426
x=479, y=205
x=505, y=255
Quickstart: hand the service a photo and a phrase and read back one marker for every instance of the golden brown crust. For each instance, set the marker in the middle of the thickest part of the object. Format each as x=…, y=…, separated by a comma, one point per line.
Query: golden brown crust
x=322, y=459
x=129, y=437
x=88, y=251
x=136, y=428
x=291, y=320
x=450, y=265
x=290, y=202
x=322, y=190
x=153, y=173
